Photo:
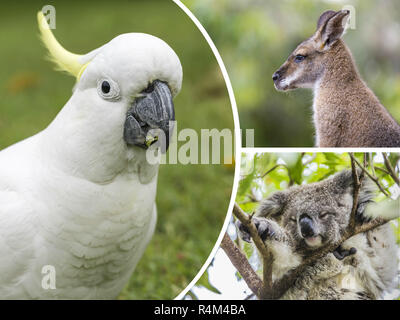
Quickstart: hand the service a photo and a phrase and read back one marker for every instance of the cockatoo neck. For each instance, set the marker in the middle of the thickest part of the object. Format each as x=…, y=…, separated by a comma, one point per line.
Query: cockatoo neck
x=91, y=146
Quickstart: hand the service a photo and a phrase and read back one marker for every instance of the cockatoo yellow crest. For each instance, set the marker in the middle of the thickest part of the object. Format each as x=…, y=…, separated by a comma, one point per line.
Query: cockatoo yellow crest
x=65, y=60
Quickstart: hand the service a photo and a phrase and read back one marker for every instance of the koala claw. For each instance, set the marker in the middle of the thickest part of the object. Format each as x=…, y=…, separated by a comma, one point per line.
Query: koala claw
x=263, y=227
x=341, y=253
x=243, y=231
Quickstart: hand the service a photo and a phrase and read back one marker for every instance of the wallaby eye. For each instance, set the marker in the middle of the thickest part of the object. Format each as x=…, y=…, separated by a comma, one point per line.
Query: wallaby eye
x=299, y=58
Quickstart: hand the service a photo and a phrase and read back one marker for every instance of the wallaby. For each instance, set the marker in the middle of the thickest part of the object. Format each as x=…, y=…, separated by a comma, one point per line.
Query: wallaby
x=346, y=111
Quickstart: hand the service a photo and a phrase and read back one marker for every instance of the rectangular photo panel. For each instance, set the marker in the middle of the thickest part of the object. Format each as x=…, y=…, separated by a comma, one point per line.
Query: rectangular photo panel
x=310, y=226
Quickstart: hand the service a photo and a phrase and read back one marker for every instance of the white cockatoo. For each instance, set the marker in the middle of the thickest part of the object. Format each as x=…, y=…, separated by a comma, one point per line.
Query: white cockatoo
x=77, y=200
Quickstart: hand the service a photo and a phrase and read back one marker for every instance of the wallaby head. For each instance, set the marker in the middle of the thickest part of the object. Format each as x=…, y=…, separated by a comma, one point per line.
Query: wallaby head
x=346, y=111
x=307, y=63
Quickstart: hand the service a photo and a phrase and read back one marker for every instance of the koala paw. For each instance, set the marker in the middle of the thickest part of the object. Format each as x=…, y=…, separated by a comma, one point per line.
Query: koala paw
x=264, y=229
x=341, y=253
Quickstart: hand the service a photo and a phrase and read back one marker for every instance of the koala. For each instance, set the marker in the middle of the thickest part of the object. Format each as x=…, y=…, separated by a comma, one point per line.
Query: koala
x=295, y=222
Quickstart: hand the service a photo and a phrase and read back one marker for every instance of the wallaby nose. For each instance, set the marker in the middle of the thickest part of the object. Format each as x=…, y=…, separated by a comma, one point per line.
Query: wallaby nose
x=307, y=226
x=275, y=76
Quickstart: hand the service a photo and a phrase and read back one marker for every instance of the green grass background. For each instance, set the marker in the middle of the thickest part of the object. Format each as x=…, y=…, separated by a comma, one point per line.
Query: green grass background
x=193, y=199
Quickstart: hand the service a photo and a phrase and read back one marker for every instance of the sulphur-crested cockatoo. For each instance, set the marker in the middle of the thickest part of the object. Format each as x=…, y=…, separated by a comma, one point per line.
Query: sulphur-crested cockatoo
x=77, y=200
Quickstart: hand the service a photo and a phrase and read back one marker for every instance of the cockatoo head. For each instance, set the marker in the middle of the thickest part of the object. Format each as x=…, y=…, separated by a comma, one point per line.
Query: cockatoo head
x=129, y=83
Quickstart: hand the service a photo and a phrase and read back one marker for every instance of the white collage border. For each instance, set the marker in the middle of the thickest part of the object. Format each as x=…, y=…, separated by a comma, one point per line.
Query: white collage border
x=239, y=149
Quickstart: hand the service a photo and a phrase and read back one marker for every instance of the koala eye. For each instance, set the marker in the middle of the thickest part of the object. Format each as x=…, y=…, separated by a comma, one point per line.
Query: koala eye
x=108, y=89
x=299, y=58
x=293, y=218
x=324, y=214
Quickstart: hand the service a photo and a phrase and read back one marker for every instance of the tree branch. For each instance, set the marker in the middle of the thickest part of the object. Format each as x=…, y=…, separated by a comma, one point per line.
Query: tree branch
x=241, y=263
x=382, y=170
x=375, y=179
x=389, y=167
x=264, y=251
x=310, y=160
x=246, y=220
x=291, y=182
x=356, y=192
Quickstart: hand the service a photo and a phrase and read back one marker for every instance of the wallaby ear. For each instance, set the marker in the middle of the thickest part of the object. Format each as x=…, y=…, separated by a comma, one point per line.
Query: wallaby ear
x=324, y=18
x=273, y=206
x=330, y=27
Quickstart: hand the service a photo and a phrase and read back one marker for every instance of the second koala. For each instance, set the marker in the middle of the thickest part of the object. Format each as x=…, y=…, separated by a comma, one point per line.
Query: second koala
x=295, y=222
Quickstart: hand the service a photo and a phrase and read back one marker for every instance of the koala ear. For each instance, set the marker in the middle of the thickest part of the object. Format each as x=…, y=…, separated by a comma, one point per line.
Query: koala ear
x=343, y=180
x=343, y=183
x=273, y=206
x=330, y=27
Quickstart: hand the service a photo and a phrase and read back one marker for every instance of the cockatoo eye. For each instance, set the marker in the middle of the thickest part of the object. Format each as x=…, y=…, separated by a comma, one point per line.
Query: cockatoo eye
x=105, y=87
x=108, y=89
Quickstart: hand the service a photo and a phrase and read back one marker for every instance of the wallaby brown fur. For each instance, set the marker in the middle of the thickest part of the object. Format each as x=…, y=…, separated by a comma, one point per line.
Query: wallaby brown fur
x=346, y=112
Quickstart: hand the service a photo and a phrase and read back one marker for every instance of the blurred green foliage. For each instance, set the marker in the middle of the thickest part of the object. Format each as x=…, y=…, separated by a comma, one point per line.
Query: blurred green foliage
x=192, y=199
x=255, y=37
x=264, y=173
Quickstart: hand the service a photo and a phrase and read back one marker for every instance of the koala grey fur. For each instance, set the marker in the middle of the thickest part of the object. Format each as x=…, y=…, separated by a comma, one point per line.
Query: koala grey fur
x=294, y=222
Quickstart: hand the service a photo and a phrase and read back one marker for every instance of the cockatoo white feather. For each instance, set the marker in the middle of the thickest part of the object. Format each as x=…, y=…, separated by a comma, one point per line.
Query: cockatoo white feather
x=77, y=196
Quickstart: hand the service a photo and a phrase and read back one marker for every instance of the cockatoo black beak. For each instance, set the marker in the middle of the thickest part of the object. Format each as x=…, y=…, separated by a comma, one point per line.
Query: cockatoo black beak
x=151, y=117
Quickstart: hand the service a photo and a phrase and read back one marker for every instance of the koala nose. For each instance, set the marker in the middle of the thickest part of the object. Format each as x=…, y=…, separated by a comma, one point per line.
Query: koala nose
x=275, y=76
x=307, y=226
